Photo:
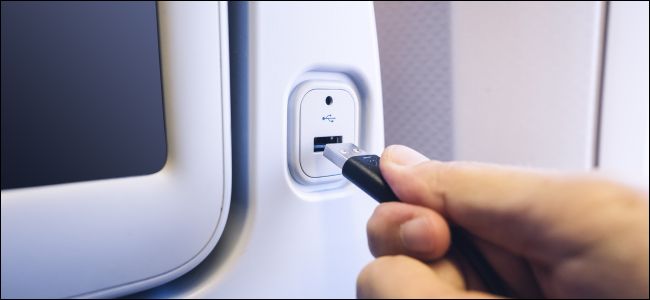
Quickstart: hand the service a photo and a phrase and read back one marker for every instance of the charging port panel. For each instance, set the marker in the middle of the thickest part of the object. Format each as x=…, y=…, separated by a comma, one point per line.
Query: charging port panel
x=321, y=141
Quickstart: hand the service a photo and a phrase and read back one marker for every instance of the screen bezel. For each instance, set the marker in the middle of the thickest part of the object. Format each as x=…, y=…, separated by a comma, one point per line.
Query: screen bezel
x=59, y=122
x=112, y=237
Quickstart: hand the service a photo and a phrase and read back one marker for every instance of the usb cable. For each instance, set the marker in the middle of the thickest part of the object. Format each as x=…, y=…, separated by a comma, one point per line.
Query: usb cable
x=362, y=169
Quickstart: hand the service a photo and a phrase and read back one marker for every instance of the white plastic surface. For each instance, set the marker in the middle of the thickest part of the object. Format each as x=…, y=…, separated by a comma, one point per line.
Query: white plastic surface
x=526, y=80
x=111, y=237
x=296, y=242
x=624, y=123
x=313, y=117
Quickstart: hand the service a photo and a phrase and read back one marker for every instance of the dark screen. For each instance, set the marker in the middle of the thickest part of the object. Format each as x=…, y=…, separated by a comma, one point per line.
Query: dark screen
x=81, y=92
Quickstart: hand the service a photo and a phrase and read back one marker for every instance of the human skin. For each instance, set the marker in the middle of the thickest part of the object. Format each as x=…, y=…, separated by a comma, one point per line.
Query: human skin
x=546, y=234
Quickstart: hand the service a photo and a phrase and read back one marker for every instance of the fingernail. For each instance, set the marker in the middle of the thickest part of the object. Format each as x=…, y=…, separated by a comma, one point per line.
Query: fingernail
x=416, y=235
x=402, y=155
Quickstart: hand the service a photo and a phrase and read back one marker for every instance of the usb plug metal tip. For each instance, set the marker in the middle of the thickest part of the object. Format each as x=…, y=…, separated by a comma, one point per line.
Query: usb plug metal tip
x=340, y=153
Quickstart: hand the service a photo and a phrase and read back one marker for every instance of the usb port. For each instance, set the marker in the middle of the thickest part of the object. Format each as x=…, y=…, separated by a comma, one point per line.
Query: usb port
x=321, y=141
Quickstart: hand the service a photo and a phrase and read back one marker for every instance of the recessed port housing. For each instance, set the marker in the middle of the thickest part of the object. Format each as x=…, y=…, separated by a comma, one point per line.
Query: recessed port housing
x=321, y=112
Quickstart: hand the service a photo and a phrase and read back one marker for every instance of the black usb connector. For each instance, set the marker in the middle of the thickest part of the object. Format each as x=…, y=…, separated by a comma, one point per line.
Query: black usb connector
x=360, y=168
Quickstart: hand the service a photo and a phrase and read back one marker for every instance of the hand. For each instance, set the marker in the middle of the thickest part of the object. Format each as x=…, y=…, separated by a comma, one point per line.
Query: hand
x=545, y=234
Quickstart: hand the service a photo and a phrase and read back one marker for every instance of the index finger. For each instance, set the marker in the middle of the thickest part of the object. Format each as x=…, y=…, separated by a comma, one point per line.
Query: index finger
x=525, y=211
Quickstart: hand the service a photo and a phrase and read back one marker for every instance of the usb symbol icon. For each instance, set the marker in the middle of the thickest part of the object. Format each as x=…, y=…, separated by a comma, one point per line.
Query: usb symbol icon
x=329, y=118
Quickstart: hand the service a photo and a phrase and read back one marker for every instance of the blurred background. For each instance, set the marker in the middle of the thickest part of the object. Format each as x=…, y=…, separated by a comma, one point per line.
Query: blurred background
x=549, y=84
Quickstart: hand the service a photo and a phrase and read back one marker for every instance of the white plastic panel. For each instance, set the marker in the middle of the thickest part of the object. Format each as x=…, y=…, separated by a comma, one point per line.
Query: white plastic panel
x=297, y=248
x=296, y=242
x=526, y=82
x=624, y=127
x=111, y=237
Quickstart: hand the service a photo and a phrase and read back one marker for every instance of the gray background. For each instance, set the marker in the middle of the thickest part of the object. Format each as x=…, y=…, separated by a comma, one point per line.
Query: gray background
x=415, y=58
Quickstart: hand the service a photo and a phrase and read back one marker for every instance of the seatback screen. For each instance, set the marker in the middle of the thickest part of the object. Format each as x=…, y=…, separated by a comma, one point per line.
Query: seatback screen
x=81, y=92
